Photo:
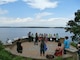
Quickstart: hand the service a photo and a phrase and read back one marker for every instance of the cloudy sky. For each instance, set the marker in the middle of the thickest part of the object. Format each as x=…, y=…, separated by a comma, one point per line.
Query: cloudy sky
x=50, y=13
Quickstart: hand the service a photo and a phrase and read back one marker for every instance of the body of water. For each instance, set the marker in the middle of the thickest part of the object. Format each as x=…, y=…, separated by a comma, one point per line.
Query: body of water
x=12, y=33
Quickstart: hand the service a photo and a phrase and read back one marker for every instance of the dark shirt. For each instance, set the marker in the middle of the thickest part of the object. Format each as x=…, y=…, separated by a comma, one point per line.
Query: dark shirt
x=18, y=43
x=42, y=46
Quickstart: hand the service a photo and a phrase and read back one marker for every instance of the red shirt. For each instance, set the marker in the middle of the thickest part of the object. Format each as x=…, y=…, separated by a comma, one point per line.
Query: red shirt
x=59, y=51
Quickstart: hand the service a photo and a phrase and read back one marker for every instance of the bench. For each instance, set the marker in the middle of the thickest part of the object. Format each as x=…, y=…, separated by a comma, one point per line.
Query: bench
x=73, y=52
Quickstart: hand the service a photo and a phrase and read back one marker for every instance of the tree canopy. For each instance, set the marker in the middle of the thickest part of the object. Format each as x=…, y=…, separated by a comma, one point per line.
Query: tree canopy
x=74, y=25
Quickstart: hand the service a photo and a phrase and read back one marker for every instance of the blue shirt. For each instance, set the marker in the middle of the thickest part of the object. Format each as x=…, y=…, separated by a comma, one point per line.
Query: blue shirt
x=66, y=44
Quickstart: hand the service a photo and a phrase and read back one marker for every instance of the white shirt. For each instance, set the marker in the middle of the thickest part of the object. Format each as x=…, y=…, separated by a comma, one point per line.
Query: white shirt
x=9, y=41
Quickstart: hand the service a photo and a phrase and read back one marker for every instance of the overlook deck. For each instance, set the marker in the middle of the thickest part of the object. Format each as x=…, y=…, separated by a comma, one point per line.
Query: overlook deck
x=33, y=51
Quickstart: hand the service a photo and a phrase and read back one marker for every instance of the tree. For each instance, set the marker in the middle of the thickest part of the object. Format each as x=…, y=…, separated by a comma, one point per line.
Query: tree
x=74, y=25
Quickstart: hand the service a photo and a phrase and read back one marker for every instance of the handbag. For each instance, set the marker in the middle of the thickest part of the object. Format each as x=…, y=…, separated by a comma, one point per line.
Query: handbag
x=49, y=56
x=45, y=47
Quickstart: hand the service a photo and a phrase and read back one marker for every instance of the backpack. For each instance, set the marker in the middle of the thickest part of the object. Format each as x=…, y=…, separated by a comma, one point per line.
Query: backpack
x=49, y=56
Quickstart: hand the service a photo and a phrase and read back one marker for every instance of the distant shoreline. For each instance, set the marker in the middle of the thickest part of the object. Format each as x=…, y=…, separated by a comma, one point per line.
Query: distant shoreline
x=30, y=27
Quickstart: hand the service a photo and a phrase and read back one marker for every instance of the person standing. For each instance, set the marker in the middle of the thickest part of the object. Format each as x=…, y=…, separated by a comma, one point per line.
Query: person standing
x=32, y=36
x=19, y=46
x=57, y=37
x=43, y=47
x=36, y=39
x=66, y=44
x=29, y=36
x=54, y=37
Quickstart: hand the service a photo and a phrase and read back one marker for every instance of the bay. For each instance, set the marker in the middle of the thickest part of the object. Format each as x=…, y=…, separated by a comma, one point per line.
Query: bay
x=12, y=33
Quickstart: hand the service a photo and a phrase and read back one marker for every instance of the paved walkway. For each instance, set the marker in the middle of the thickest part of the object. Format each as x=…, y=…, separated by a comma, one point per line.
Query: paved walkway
x=33, y=51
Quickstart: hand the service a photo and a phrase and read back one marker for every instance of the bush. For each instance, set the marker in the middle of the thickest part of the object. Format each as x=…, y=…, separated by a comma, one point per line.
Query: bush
x=4, y=55
x=59, y=58
x=18, y=58
x=1, y=46
x=73, y=44
x=29, y=59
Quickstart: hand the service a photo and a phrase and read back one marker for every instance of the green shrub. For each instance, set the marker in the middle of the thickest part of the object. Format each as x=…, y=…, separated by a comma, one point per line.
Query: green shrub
x=69, y=59
x=18, y=58
x=73, y=44
x=4, y=55
x=1, y=46
x=59, y=58
x=29, y=59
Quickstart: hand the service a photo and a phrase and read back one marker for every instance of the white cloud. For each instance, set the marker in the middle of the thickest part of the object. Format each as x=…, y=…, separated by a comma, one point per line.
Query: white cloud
x=51, y=22
x=42, y=14
x=6, y=20
x=38, y=20
x=6, y=1
x=3, y=11
x=58, y=22
x=41, y=4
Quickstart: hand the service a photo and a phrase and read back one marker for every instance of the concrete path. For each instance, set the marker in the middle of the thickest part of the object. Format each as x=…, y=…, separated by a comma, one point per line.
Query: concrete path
x=33, y=51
